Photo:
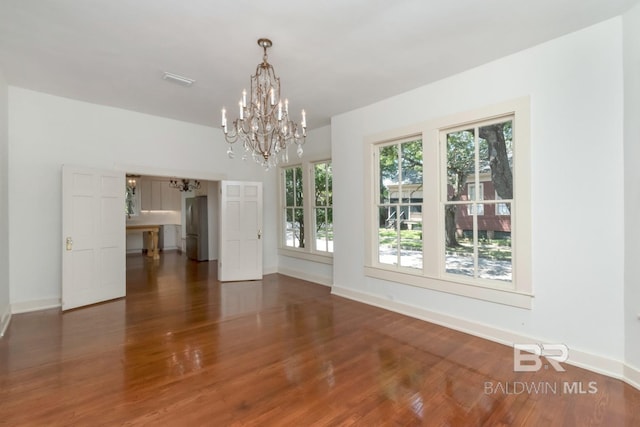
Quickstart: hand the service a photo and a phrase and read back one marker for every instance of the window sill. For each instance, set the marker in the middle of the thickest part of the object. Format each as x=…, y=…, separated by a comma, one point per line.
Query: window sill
x=497, y=295
x=307, y=256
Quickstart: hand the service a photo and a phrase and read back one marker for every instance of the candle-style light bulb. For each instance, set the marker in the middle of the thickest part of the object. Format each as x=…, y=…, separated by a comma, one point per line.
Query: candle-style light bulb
x=304, y=119
x=241, y=110
x=244, y=97
x=224, y=117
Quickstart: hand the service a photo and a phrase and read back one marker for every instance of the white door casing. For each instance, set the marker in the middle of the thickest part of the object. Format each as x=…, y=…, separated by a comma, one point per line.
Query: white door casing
x=93, y=236
x=240, y=256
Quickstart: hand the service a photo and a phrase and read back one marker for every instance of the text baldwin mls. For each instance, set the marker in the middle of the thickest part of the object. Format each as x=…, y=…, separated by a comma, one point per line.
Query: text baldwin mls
x=541, y=387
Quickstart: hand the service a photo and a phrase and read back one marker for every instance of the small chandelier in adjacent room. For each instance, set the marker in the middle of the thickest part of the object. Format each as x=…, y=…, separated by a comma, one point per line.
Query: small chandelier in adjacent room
x=264, y=126
x=184, y=184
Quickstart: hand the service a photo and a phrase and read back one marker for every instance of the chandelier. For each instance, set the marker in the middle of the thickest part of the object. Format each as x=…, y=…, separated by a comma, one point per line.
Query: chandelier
x=184, y=184
x=264, y=127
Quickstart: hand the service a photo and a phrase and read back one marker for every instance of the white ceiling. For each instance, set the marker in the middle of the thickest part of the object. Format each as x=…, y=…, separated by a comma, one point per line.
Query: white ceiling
x=332, y=56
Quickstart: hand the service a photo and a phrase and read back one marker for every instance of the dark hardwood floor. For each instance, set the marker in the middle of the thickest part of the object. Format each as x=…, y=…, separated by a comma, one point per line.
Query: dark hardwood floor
x=183, y=349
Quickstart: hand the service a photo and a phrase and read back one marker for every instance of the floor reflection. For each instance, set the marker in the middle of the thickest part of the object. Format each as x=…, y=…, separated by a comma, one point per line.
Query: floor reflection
x=185, y=349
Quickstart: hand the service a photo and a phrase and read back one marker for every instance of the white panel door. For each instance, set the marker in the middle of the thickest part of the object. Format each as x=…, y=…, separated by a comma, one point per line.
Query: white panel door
x=240, y=255
x=93, y=236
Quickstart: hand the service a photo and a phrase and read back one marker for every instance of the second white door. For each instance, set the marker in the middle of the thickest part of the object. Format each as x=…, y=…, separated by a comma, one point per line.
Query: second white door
x=240, y=256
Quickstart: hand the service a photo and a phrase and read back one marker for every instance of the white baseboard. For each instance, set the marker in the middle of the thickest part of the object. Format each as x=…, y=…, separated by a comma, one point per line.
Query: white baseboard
x=592, y=362
x=326, y=281
x=28, y=306
x=269, y=270
x=5, y=319
x=632, y=376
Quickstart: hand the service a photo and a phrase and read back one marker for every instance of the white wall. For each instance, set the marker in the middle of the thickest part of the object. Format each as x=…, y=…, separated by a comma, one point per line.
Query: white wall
x=576, y=89
x=5, y=308
x=317, y=147
x=213, y=205
x=47, y=131
x=632, y=186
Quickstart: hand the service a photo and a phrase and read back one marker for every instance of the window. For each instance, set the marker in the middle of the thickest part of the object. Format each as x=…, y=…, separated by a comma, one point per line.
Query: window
x=307, y=230
x=471, y=195
x=478, y=245
x=323, y=209
x=400, y=203
x=294, y=211
x=449, y=204
x=131, y=202
x=501, y=208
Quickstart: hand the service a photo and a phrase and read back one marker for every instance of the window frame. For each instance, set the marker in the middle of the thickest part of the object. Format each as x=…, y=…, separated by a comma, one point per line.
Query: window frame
x=399, y=203
x=477, y=201
x=519, y=292
x=309, y=252
x=314, y=206
x=286, y=207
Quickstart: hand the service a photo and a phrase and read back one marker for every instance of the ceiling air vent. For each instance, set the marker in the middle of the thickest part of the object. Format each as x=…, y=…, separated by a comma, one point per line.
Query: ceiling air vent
x=180, y=80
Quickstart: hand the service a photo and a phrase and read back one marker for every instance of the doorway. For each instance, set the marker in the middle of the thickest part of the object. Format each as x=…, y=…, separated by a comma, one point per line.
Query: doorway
x=156, y=202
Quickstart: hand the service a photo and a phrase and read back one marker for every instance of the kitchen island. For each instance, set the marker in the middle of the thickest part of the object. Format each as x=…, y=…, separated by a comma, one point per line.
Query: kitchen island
x=152, y=238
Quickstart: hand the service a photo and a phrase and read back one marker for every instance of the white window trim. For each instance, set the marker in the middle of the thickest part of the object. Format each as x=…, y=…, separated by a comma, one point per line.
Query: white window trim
x=283, y=207
x=519, y=293
x=308, y=253
x=378, y=190
x=312, y=203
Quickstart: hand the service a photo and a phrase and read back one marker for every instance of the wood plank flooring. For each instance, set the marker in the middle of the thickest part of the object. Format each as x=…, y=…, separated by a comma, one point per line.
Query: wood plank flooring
x=185, y=350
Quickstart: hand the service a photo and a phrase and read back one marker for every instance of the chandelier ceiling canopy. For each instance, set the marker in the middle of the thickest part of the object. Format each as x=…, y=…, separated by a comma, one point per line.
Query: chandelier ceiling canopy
x=264, y=127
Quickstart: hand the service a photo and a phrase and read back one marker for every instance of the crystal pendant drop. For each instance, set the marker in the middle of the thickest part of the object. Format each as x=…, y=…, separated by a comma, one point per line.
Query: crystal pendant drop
x=299, y=151
x=230, y=152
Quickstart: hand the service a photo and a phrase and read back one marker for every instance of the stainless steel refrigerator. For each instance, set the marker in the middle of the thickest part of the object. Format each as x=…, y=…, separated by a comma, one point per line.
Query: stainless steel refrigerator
x=197, y=228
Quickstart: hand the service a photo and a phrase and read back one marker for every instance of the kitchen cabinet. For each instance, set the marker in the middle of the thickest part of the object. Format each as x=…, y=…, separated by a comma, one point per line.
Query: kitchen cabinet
x=171, y=198
x=150, y=195
x=169, y=236
x=144, y=188
x=156, y=195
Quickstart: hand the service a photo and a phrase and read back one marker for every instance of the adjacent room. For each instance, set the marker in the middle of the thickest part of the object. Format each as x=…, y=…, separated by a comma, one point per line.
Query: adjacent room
x=342, y=213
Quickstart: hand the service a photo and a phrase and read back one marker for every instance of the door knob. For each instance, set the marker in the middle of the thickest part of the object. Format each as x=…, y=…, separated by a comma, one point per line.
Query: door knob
x=259, y=234
x=69, y=243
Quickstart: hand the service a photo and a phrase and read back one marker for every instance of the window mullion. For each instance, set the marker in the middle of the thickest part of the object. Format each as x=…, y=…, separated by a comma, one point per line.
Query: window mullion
x=399, y=206
x=398, y=248
x=476, y=197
